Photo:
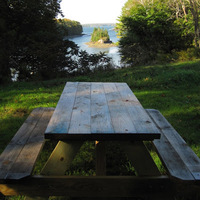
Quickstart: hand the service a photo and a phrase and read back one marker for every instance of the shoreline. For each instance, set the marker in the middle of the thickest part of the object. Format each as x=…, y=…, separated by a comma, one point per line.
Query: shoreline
x=99, y=45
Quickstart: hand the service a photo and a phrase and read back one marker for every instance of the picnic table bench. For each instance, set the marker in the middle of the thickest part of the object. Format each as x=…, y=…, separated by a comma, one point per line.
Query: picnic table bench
x=98, y=112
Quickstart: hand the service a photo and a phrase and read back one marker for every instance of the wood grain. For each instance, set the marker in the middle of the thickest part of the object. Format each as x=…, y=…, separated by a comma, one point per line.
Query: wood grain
x=100, y=114
x=179, y=159
x=121, y=120
x=18, y=159
x=61, y=158
x=100, y=111
x=137, y=113
x=61, y=118
x=80, y=118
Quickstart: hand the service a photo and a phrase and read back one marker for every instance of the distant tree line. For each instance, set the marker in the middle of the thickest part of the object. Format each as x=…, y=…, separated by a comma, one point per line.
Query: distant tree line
x=100, y=33
x=31, y=42
x=159, y=30
x=69, y=27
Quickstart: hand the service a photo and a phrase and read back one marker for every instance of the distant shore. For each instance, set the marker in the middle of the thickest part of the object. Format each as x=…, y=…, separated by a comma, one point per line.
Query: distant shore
x=100, y=45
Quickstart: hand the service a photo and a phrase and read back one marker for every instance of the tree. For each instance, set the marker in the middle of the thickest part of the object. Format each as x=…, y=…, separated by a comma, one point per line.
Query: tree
x=188, y=11
x=38, y=43
x=32, y=41
x=149, y=29
x=195, y=10
x=6, y=38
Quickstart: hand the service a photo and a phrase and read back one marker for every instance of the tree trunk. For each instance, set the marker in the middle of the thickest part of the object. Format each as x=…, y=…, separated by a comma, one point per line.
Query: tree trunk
x=195, y=14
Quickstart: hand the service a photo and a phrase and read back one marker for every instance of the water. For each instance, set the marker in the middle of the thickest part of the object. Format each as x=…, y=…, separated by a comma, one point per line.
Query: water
x=110, y=51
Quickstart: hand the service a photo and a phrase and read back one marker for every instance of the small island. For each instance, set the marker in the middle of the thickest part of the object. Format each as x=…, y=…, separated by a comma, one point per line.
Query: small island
x=100, y=39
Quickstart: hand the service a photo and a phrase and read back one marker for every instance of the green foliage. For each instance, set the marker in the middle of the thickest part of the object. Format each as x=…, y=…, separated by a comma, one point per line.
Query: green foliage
x=188, y=54
x=92, y=62
x=31, y=43
x=84, y=162
x=149, y=31
x=100, y=33
x=69, y=27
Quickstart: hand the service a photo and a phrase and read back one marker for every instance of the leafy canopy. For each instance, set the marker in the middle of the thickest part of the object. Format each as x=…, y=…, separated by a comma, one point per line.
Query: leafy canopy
x=149, y=29
x=69, y=27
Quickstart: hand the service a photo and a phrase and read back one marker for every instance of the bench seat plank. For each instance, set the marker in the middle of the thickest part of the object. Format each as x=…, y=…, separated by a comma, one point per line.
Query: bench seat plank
x=18, y=159
x=177, y=156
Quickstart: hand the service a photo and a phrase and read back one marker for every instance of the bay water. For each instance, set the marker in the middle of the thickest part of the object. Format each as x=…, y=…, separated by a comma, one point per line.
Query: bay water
x=112, y=52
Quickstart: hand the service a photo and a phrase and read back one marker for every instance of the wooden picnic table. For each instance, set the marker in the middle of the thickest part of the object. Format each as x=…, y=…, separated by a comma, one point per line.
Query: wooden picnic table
x=98, y=112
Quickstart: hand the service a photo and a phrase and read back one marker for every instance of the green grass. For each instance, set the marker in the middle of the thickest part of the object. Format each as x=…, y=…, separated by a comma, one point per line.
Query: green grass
x=173, y=89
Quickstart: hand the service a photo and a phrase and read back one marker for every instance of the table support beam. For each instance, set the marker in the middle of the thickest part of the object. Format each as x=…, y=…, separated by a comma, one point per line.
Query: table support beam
x=100, y=158
x=140, y=158
x=94, y=186
x=61, y=158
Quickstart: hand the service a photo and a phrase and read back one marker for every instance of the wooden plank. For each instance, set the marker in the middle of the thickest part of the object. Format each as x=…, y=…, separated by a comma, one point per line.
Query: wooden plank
x=80, y=118
x=99, y=111
x=60, y=120
x=92, y=186
x=100, y=114
x=179, y=159
x=61, y=158
x=121, y=121
x=171, y=160
x=190, y=159
x=14, y=148
x=139, y=155
x=24, y=163
x=137, y=113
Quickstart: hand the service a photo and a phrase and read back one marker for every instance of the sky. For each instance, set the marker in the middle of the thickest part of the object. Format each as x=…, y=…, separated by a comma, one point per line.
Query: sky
x=92, y=11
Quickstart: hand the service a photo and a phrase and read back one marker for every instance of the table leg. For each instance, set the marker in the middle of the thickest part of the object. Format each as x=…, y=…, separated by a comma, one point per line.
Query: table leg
x=140, y=158
x=100, y=158
x=61, y=158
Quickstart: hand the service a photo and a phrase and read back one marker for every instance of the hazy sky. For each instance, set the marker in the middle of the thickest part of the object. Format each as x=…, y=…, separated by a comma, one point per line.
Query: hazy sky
x=92, y=11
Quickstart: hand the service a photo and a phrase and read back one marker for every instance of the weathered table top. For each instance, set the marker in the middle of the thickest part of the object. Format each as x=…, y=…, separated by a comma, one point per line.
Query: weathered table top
x=100, y=111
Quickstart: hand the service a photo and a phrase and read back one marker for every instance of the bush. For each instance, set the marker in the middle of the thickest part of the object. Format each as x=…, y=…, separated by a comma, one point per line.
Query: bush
x=189, y=54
